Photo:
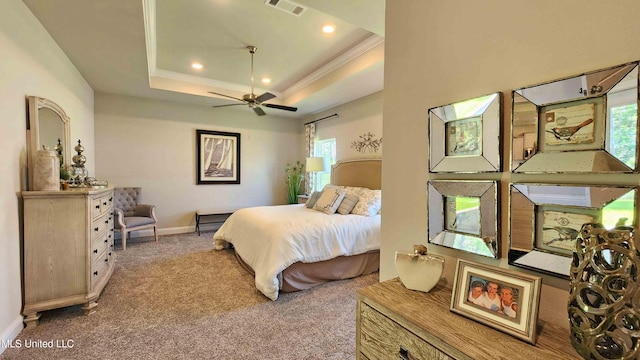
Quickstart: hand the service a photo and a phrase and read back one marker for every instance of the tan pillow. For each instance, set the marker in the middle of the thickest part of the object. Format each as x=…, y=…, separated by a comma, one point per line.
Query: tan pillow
x=329, y=200
x=347, y=204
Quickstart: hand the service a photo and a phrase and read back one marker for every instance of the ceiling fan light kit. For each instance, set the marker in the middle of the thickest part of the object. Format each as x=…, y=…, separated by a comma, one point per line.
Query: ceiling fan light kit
x=254, y=102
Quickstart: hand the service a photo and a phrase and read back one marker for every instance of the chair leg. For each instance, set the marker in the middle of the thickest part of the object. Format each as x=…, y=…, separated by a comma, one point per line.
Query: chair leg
x=155, y=231
x=124, y=239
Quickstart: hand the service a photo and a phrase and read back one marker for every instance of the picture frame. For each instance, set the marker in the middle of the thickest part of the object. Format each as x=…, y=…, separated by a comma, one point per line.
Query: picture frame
x=464, y=137
x=581, y=124
x=463, y=215
x=473, y=286
x=218, y=157
x=544, y=220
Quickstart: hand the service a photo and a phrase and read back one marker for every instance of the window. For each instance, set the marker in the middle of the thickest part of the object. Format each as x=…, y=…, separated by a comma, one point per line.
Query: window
x=327, y=149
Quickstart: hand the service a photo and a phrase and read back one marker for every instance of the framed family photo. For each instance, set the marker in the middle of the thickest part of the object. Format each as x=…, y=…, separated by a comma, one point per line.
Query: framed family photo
x=218, y=157
x=500, y=298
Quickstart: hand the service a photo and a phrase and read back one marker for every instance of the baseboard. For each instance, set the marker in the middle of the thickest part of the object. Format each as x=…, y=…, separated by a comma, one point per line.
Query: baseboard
x=163, y=231
x=10, y=333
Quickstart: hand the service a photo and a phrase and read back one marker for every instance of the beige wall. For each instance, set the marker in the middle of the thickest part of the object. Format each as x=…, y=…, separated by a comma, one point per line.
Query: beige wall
x=32, y=64
x=354, y=119
x=152, y=144
x=439, y=52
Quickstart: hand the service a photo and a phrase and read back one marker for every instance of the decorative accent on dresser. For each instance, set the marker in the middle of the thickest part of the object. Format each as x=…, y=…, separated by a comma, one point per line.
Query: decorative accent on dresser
x=46, y=170
x=582, y=124
x=463, y=215
x=78, y=172
x=419, y=270
x=545, y=220
x=68, y=249
x=603, y=298
x=393, y=322
x=464, y=137
x=503, y=299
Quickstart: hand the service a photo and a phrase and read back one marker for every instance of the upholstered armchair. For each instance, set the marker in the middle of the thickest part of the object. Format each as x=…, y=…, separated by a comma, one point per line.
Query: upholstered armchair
x=131, y=215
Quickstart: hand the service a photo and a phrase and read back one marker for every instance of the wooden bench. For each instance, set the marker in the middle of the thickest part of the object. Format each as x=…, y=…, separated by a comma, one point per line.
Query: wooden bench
x=216, y=217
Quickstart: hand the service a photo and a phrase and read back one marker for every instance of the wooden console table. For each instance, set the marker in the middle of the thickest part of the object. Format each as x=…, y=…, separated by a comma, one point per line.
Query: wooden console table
x=393, y=322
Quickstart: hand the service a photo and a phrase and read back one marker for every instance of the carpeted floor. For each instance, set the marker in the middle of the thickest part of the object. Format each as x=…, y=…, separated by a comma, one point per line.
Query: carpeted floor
x=179, y=299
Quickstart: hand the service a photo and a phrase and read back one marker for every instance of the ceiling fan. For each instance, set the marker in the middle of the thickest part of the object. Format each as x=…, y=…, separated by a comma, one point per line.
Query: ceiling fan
x=251, y=99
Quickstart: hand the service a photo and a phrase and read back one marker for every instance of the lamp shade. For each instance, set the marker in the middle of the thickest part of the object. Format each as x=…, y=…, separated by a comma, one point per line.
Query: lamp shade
x=315, y=164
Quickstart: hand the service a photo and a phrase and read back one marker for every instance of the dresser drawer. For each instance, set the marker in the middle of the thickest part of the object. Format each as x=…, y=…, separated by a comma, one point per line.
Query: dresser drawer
x=382, y=338
x=100, y=267
x=101, y=205
x=100, y=225
x=100, y=243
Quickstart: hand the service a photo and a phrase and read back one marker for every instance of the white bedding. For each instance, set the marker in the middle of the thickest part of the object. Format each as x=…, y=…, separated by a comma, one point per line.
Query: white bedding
x=270, y=238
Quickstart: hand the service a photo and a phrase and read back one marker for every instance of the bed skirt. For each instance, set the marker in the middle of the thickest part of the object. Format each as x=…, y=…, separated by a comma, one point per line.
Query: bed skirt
x=302, y=276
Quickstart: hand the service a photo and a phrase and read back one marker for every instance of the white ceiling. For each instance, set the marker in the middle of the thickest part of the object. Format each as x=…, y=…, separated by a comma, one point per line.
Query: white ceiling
x=145, y=48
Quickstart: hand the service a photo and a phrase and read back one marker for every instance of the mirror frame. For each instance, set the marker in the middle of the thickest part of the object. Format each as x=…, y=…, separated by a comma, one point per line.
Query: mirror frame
x=487, y=191
x=33, y=131
x=571, y=95
x=523, y=211
x=488, y=159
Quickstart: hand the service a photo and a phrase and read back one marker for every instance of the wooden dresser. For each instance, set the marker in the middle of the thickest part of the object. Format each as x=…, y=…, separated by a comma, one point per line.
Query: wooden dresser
x=393, y=322
x=68, y=253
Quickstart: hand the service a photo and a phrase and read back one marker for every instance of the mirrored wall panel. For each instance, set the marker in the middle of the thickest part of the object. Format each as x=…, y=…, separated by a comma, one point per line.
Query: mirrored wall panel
x=545, y=221
x=463, y=215
x=465, y=137
x=586, y=123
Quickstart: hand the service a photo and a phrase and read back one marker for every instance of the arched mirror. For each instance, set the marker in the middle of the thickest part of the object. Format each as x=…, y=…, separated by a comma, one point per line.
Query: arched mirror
x=586, y=123
x=48, y=126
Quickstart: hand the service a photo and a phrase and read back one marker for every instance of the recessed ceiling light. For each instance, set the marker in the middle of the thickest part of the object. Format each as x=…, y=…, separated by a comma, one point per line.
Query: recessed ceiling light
x=328, y=29
x=197, y=66
x=266, y=80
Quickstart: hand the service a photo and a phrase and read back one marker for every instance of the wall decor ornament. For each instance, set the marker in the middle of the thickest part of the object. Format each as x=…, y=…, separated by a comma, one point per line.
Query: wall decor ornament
x=218, y=157
x=367, y=143
x=604, y=300
x=464, y=137
x=581, y=124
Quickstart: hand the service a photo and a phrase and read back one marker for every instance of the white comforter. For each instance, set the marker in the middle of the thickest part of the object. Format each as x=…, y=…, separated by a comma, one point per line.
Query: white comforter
x=270, y=238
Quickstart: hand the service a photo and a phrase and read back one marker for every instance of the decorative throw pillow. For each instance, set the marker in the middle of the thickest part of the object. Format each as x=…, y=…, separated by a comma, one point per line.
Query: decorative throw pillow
x=347, y=204
x=313, y=198
x=329, y=201
x=369, y=204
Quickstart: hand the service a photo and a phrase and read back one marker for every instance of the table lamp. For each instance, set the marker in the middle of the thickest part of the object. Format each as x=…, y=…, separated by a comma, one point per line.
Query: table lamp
x=315, y=164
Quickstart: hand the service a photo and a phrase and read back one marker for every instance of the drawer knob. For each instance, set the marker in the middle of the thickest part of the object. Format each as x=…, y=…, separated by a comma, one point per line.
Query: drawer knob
x=105, y=240
x=95, y=273
x=96, y=229
x=403, y=353
x=95, y=251
x=106, y=260
x=97, y=206
x=106, y=221
x=104, y=203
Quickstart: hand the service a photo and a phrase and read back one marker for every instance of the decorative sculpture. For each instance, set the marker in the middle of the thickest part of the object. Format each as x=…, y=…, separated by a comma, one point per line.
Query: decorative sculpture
x=604, y=301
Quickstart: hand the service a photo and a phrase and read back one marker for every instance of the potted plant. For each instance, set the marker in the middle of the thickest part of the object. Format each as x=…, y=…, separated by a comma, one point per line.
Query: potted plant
x=295, y=177
x=65, y=176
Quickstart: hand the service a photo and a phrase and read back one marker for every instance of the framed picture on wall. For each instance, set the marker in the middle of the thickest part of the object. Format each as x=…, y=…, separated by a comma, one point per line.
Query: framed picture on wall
x=218, y=157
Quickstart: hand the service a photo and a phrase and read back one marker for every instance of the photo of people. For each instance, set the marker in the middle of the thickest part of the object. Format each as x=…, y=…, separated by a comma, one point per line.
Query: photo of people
x=493, y=296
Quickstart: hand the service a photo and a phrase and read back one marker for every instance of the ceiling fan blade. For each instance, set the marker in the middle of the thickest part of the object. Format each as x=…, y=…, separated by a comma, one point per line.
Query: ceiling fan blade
x=258, y=110
x=215, y=106
x=230, y=97
x=281, y=107
x=264, y=97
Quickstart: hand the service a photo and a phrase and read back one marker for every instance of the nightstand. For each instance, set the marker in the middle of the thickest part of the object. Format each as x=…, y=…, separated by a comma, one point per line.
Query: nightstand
x=302, y=199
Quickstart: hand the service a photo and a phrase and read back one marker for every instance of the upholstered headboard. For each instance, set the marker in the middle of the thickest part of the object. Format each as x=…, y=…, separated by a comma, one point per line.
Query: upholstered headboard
x=358, y=172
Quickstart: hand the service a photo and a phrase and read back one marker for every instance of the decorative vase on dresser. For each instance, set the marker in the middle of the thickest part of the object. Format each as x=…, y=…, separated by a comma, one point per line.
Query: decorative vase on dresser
x=68, y=249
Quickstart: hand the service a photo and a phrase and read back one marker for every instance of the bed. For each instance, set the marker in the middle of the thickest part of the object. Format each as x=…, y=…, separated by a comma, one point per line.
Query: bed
x=291, y=247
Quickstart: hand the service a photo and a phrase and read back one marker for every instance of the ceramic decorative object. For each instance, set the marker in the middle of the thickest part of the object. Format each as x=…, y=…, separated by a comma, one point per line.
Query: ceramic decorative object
x=46, y=175
x=78, y=172
x=604, y=301
x=419, y=270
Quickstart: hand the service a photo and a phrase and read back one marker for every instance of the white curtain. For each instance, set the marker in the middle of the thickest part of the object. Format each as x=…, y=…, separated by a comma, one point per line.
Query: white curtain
x=310, y=134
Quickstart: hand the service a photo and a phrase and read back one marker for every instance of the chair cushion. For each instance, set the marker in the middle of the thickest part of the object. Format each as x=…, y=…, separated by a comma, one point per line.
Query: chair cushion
x=134, y=221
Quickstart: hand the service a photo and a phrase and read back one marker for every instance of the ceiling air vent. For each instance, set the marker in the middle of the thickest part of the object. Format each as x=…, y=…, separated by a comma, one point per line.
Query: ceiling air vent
x=287, y=6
